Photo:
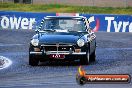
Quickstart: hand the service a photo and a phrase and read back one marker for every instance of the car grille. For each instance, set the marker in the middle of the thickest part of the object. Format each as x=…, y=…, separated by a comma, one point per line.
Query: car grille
x=58, y=47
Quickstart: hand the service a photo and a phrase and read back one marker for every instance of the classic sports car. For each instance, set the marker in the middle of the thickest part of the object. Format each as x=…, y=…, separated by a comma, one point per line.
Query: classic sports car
x=63, y=38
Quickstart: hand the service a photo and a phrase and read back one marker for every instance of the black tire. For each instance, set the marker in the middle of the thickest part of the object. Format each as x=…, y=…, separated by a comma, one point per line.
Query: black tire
x=93, y=57
x=33, y=61
x=86, y=59
x=80, y=80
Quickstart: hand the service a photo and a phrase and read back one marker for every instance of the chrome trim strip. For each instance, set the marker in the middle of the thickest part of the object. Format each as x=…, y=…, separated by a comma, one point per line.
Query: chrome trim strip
x=81, y=53
x=59, y=52
x=35, y=52
x=64, y=52
x=56, y=45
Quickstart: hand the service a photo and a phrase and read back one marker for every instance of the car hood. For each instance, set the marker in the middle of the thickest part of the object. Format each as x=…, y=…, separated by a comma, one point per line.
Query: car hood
x=52, y=38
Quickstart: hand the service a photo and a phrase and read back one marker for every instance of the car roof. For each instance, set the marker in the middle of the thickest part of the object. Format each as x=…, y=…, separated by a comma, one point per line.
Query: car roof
x=64, y=17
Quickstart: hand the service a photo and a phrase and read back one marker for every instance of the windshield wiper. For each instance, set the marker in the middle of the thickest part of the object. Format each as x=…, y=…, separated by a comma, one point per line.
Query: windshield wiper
x=76, y=31
x=51, y=30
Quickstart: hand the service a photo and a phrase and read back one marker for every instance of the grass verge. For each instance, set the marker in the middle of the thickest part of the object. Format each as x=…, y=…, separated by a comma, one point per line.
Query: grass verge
x=63, y=8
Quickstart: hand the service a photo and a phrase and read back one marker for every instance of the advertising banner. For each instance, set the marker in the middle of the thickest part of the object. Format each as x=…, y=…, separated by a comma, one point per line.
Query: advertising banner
x=30, y=20
x=21, y=20
x=110, y=23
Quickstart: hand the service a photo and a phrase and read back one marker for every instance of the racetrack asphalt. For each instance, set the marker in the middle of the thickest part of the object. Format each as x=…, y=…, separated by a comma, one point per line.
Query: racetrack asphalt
x=114, y=56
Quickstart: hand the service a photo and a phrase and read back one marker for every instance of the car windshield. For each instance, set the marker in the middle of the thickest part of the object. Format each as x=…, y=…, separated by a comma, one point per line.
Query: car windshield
x=64, y=25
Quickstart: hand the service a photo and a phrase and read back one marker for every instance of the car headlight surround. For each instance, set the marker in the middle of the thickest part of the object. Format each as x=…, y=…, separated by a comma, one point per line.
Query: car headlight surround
x=80, y=42
x=35, y=42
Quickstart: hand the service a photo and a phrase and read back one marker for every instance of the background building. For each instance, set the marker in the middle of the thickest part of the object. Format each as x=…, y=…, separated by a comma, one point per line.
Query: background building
x=98, y=3
x=17, y=1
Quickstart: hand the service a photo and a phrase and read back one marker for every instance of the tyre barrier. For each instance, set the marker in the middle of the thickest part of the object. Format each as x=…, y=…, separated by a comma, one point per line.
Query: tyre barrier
x=4, y=62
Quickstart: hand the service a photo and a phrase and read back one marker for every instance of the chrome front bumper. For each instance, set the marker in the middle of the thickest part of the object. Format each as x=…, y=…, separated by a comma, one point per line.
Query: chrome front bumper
x=58, y=52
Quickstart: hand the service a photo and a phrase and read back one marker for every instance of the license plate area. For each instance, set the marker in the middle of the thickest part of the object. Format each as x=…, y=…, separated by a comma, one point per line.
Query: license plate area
x=57, y=56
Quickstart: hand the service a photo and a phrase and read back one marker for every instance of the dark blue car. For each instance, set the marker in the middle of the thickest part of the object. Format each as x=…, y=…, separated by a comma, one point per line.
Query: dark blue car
x=63, y=38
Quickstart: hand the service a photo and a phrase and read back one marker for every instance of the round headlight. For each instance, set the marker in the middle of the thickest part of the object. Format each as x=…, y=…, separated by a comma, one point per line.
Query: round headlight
x=80, y=42
x=35, y=42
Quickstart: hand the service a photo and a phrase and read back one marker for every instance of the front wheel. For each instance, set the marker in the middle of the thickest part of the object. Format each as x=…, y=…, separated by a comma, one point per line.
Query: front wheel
x=93, y=57
x=33, y=61
x=86, y=59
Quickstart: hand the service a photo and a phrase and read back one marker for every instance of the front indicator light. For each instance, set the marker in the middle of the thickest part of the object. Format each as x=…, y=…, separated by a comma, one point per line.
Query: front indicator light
x=36, y=49
x=77, y=50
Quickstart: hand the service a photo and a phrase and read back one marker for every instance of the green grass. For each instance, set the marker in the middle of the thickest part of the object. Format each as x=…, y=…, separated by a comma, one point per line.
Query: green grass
x=63, y=8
